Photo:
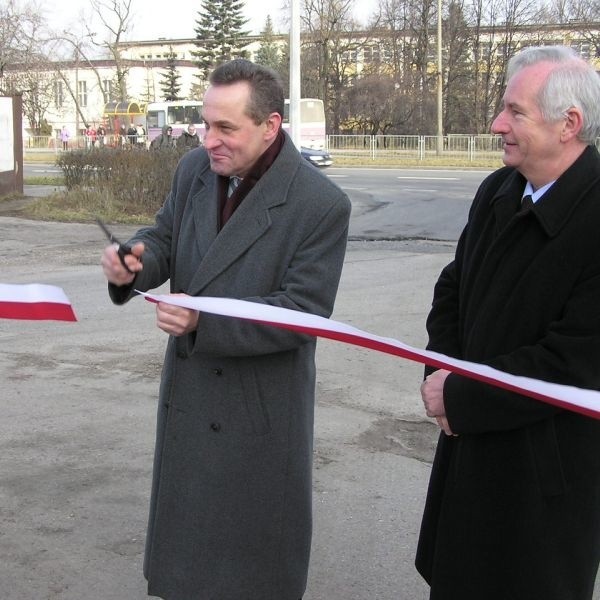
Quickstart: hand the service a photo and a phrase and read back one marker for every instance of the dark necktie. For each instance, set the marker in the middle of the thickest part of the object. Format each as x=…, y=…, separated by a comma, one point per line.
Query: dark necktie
x=526, y=202
x=231, y=201
x=233, y=183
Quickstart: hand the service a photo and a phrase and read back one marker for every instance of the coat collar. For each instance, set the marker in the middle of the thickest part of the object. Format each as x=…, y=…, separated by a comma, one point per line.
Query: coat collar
x=555, y=207
x=247, y=224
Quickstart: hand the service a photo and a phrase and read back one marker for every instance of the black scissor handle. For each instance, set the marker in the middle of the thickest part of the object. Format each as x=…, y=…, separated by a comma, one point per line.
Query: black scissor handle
x=122, y=249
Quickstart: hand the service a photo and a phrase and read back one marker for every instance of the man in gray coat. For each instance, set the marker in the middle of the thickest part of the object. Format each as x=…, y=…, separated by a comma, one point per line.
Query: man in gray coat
x=230, y=511
x=513, y=508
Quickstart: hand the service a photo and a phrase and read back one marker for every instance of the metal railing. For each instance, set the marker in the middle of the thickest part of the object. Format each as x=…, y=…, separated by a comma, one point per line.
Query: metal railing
x=416, y=147
x=464, y=148
x=45, y=143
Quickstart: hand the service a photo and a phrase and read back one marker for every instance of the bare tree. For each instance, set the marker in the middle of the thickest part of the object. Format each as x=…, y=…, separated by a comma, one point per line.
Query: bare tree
x=587, y=14
x=394, y=19
x=116, y=19
x=330, y=53
x=19, y=28
x=495, y=37
x=24, y=67
x=377, y=105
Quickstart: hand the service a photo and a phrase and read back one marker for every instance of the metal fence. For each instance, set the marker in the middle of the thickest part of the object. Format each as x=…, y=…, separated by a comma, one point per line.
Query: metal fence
x=47, y=143
x=463, y=148
x=416, y=147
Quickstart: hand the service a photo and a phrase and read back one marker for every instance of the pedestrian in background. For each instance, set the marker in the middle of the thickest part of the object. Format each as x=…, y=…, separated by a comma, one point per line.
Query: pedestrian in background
x=64, y=137
x=164, y=141
x=188, y=139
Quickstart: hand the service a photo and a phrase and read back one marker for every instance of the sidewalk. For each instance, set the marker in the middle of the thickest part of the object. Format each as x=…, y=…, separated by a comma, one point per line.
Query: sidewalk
x=79, y=416
x=77, y=432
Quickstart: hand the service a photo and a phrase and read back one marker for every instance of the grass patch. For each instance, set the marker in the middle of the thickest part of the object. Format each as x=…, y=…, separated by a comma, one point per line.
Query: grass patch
x=82, y=206
x=401, y=163
x=47, y=158
x=44, y=180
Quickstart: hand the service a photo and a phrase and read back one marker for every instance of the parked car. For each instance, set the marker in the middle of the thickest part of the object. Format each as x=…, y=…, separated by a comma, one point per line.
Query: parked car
x=318, y=158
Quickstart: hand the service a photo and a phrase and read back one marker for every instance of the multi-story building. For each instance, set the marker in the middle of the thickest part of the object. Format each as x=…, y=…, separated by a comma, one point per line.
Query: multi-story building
x=84, y=90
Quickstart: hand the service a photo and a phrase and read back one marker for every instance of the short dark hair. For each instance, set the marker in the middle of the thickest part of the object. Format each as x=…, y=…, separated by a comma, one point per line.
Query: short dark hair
x=266, y=88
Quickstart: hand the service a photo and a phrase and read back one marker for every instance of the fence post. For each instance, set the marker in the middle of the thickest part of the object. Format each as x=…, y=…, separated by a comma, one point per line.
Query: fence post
x=421, y=145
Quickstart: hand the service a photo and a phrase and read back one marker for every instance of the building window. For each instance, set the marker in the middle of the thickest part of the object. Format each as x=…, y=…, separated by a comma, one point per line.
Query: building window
x=82, y=93
x=58, y=94
x=582, y=47
x=371, y=54
x=108, y=90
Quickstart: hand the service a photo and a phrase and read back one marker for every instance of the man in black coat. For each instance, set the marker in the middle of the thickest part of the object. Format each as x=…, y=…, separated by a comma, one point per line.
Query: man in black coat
x=513, y=507
x=188, y=139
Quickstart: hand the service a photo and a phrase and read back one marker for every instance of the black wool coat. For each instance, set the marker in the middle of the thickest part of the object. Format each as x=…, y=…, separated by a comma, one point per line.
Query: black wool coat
x=513, y=507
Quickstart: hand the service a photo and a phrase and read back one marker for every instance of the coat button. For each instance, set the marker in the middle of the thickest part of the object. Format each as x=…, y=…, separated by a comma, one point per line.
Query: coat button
x=216, y=427
x=218, y=371
x=181, y=354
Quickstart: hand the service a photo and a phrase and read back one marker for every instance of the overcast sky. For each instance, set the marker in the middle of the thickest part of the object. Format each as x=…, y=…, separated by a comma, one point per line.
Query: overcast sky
x=174, y=19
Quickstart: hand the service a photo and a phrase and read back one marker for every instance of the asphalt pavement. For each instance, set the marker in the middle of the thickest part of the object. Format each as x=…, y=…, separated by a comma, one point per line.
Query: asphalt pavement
x=77, y=433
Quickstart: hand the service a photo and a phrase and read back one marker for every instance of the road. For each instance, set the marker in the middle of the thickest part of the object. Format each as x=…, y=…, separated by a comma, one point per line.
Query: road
x=77, y=433
x=393, y=204
x=400, y=204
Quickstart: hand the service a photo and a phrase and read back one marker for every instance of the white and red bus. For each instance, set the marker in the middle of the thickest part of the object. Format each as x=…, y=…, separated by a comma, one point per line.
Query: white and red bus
x=179, y=114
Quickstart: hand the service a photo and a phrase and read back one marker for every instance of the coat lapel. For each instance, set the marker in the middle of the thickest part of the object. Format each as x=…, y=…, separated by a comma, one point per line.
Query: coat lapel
x=247, y=224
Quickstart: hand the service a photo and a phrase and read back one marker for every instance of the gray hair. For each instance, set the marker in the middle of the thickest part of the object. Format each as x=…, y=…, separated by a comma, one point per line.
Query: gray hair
x=573, y=83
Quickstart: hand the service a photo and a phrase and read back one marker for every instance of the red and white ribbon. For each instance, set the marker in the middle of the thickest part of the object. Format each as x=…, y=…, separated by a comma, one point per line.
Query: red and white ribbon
x=583, y=401
x=36, y=302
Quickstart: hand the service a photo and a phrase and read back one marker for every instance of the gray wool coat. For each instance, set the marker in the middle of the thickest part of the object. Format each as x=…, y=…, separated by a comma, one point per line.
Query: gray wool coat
x=513, y=507
x=230, y=512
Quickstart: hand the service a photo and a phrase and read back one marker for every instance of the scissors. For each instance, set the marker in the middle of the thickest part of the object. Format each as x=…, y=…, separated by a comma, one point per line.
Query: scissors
x=122, y=250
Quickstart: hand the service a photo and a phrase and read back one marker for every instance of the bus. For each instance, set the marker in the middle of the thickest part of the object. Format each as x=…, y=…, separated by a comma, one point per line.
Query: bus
x=180, y=113
x=177, y=114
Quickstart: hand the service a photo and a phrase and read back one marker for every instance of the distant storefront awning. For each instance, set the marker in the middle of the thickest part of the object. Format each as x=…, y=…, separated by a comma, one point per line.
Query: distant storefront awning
x=124, y=109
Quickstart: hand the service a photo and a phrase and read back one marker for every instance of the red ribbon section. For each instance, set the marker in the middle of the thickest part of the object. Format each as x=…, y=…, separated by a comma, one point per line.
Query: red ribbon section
x=379, y=346
x=37, y=311
x=584, y=401
x=34, y=302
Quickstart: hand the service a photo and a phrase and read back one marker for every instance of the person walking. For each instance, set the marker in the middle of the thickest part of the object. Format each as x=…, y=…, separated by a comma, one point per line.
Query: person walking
x=64, y=137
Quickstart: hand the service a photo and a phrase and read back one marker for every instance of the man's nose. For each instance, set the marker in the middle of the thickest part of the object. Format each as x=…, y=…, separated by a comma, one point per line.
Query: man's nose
x=498, y=124
x=210, y=140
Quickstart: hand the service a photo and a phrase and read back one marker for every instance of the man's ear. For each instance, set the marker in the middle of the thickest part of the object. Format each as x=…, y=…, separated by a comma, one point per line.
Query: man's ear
x=273, y=123
x=572, y=124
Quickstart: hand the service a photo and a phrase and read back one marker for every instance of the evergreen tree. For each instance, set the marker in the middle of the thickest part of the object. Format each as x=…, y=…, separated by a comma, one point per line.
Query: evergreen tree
x=219, y=34
x=169, y=84
x=268, y=54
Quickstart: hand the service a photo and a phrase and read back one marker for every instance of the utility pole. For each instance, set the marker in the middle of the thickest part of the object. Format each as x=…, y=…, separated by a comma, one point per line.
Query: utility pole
x=440, y=128
x=295, y=73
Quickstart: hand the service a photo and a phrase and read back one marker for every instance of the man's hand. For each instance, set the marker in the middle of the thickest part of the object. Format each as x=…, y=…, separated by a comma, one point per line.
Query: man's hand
x=114, y=271
x=432, y=394
x=176, y=320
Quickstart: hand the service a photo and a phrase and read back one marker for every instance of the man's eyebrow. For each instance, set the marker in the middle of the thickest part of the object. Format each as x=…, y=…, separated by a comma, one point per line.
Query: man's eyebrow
x=513, y=105
x=219, y=123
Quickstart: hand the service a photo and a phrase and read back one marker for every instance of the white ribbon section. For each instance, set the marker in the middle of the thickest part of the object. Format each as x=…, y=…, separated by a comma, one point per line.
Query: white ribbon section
x=580, y=400
x=32, y=292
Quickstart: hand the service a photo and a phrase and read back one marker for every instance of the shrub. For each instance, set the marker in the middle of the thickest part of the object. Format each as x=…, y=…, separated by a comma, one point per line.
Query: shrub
x=133, y=181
